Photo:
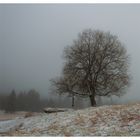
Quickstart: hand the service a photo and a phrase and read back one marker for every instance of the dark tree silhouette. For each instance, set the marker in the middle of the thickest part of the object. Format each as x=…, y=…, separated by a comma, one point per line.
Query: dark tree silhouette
x=33, y=100
x=3, y=98
x=11, y=102
x=95, y=64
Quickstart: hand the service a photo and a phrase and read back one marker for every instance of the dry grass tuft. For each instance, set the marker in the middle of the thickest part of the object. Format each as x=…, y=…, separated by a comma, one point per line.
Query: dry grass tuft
x=29, y=114
x=129, y=117
x=118, y=107
x=92, y=130
x=120, y=133
x=93, y=120
x=53, y=126
x=67, y=134
x=79, y=120
x=35, y=130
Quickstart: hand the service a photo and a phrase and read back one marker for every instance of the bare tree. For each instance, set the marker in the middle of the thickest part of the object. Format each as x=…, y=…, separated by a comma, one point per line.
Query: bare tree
x=96, y=64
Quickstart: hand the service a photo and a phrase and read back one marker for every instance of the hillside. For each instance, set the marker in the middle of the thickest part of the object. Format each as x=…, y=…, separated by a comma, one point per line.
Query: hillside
x=115, y=120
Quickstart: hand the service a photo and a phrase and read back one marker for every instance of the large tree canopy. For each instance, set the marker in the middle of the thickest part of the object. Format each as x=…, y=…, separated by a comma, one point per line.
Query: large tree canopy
x=95, y=64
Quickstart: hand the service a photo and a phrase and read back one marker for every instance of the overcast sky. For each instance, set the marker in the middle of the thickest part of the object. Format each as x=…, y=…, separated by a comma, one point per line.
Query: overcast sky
x=32, y=39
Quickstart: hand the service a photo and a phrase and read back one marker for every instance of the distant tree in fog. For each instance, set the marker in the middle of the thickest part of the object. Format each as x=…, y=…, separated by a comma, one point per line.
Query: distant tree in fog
x=23, y=101
x=33, y=100
x=11, y=102
x=96, y=64
x=3, y=101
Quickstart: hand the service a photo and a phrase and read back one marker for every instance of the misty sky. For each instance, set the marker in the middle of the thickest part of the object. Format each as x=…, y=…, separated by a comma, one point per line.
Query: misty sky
x=32, y=39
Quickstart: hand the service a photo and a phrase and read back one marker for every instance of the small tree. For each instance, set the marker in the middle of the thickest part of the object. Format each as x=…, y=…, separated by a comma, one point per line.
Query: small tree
x=96, y=64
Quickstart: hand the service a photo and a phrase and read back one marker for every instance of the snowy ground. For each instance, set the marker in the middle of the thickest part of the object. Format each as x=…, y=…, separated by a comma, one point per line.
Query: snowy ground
x=115, y=120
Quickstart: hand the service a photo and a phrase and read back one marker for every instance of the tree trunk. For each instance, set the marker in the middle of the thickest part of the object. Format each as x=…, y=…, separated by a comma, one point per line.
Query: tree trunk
x=72, y=100
x=92, y=100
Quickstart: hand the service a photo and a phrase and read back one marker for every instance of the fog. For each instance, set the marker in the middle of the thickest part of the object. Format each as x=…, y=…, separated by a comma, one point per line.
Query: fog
x=33, y=36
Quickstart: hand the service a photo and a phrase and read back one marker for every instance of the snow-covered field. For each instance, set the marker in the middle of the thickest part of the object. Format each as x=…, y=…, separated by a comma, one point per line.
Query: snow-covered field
x=115, y=120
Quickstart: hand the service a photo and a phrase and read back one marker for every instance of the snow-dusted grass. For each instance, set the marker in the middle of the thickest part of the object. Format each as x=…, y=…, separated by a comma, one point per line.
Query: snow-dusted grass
x=115, y=120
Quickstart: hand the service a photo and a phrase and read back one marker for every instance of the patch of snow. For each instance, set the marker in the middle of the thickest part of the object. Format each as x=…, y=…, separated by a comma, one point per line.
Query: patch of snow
x=113, y=120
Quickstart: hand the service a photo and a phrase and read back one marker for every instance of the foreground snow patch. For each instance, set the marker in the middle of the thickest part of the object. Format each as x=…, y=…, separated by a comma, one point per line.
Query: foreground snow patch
x=115, y=120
